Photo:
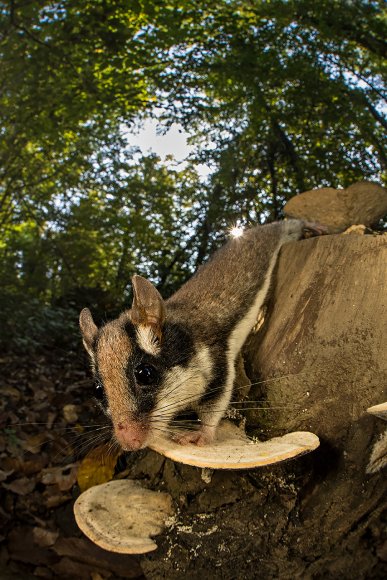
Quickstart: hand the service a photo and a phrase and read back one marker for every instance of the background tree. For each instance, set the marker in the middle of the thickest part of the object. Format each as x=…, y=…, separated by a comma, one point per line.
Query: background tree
x=278, y=97
x=290, y=95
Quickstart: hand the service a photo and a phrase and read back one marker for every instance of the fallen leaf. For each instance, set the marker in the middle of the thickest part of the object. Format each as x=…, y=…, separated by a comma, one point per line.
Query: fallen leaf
x=39, y=394
x=68, y=568
x=60, y=450
x=21, y=547
x=11, y=463
x=54, y=498
x=4, y=519
x=12, y=442
x=50, y=420
x=97, y=467
x=85, y=551
x=43, y=383
x=44, y=538
x=34, y=464
x=7, y=391
x=5, y=474
x=21, y=486
x=64, y=477
x=97, y=576
x=382, y=551
x=42, y=572
x=70, y=413
x=33, y=443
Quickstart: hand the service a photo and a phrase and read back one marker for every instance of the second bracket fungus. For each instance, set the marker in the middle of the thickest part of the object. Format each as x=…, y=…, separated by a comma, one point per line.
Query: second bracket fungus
x=122, y=516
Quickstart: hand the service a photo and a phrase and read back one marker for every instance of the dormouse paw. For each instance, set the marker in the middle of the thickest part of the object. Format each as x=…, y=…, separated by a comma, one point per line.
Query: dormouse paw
x=199, y=438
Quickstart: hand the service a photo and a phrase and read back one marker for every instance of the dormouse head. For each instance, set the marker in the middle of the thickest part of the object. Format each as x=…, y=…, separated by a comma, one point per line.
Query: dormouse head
x=124, y=356
x=140, y=363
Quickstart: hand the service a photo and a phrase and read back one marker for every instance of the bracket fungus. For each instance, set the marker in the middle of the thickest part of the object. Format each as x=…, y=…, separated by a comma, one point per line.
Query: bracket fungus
x=378, y=457
x=232, y=449
x=122, y=516
x=379, y=410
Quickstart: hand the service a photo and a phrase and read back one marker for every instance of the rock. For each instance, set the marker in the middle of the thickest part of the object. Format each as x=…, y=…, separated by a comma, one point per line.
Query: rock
x=363, y=202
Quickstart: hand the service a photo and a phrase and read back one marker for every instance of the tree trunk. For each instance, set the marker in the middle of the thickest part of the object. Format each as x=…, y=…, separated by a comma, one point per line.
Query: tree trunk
x=321, y=361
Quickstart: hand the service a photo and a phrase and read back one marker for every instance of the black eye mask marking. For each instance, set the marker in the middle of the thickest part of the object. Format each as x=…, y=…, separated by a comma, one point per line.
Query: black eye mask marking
x=177, y=347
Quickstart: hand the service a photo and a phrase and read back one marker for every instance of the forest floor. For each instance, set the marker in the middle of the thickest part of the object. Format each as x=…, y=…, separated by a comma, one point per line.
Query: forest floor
x=51, y=449
x=47, y=426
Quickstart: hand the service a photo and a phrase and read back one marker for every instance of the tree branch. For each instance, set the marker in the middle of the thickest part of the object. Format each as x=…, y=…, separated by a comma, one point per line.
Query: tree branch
x=379, y=118
x=274, y=184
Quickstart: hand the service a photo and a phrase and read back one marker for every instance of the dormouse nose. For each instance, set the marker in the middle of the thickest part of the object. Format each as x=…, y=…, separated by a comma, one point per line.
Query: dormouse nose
x=131, y=435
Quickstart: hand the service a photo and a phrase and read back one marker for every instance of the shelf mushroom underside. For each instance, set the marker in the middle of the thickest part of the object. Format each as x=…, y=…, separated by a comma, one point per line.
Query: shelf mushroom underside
x=232, y=449
x=379, y=411
x=122, y=516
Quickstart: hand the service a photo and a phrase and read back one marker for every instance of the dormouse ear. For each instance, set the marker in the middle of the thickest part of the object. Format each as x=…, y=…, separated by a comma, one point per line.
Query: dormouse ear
x=148, y=306
x=89, y=329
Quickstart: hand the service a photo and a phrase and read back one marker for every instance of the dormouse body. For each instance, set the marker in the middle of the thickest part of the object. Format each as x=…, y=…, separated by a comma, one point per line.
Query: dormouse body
x=161, y=358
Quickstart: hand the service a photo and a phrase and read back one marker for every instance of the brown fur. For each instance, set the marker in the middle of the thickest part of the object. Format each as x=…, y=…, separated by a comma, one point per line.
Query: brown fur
x=113, y=350
x=220, y=292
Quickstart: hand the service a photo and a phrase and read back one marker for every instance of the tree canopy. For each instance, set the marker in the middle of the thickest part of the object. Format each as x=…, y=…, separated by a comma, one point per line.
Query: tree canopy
x=277, y=97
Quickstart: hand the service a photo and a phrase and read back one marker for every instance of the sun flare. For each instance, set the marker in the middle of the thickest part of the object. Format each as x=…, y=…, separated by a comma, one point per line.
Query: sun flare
x=236, y=231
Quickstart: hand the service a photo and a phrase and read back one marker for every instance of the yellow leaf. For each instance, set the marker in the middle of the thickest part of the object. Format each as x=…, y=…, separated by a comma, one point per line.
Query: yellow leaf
x=97, y=467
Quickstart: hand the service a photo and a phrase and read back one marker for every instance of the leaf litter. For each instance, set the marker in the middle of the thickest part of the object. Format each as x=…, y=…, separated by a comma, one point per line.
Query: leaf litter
x=52, y=448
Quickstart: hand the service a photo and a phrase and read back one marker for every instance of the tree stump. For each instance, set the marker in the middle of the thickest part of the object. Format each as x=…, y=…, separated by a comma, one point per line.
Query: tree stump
x=318, y=362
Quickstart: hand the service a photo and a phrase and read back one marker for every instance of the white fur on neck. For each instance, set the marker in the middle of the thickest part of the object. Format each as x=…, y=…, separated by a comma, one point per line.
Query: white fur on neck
x=147, y=340
x=183, y=387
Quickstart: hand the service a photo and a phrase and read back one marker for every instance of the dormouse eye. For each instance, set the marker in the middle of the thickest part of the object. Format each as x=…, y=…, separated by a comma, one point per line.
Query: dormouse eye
x=145, y=374
x=98, y=392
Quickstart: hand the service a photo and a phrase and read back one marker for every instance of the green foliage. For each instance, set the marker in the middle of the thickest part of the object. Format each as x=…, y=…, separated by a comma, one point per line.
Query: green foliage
x=290, y=96
x=278, y=96
x=28, y=325
x=86, y=253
